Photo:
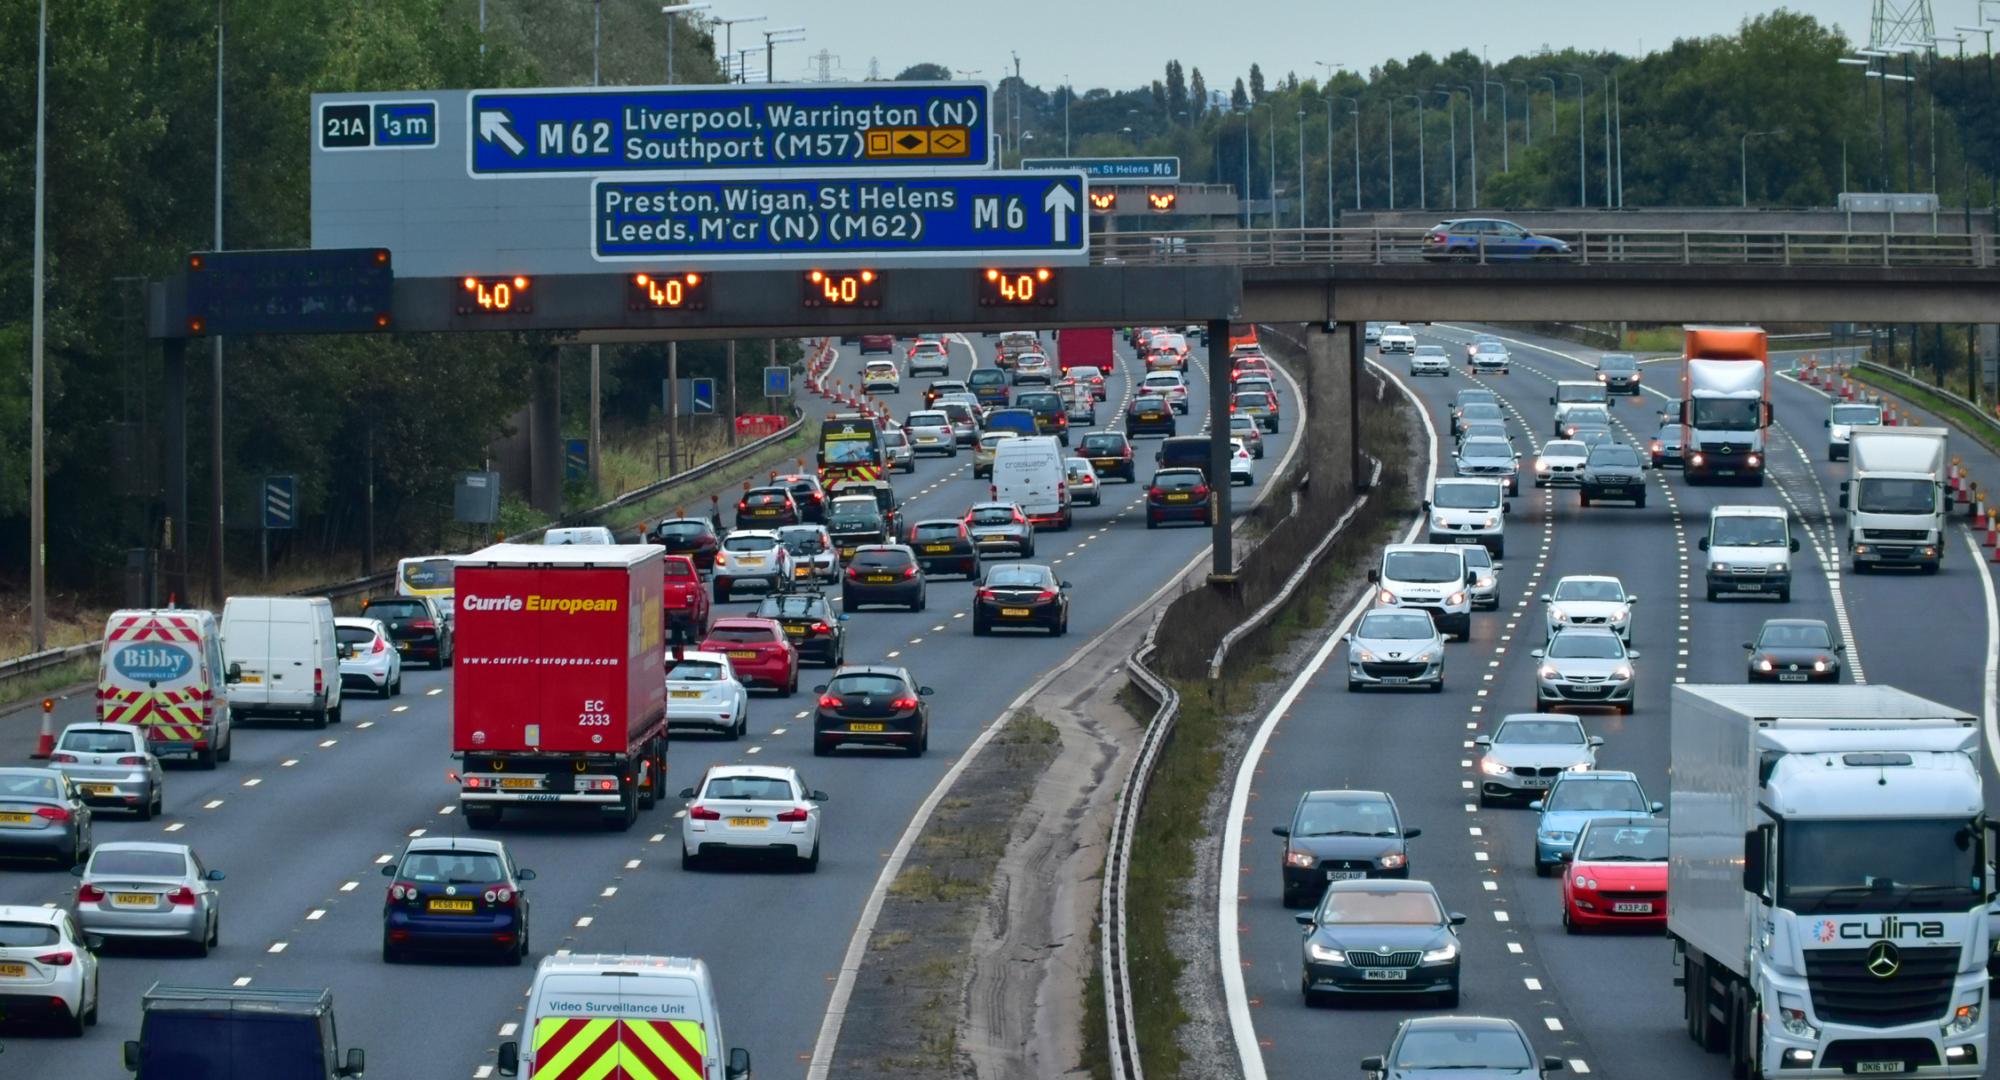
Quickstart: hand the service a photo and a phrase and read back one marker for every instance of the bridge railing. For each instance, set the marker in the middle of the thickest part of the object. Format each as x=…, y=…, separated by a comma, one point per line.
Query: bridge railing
x=1296, y=247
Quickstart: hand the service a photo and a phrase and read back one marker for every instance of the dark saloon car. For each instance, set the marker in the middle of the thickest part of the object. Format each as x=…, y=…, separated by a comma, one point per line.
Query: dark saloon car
x=1021, y=594
x=1619, y=372
x=766, y=508
x=1342, y=836
x=883, y=574
x=1472, y=239
x=811, y=623
x=944, y=546
x=416, y=625
x=1795, y=651
x=854, y=521
x=1149, y=414
x=1613, y=471
x=1051, y=415
x=1380, y=937
x=1178, y=495
x=455, y=894
x=1459, y=1048
x=688, y=536
x=872, y=705
x=1110, y=454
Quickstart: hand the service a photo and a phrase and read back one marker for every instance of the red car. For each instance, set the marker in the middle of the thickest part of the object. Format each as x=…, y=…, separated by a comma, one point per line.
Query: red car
x=685, y=600
x=1617, y=875
x=758, y=651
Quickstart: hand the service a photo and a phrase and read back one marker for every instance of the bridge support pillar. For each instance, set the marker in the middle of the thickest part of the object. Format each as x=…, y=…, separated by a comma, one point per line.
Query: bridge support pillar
x=1334, y=354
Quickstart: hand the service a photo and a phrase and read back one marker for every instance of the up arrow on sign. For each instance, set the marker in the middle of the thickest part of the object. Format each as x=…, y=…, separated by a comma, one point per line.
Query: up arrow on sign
x=495, y=126
x=1059, y=203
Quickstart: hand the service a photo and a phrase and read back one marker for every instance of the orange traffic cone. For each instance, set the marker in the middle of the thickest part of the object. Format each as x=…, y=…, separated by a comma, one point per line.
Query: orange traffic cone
x=45, y=743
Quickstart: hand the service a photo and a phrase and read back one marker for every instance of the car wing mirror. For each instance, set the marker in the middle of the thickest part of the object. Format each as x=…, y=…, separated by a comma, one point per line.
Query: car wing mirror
x=1303, y=918
x=214, y=875
x=1544, y=598
x=820, y=689
x=1536, y=653
x=925, y=691
x=1594, y=740
x=1702, y=543
x=76, y=871
x=817, y=795
x=1795, y=543
x=1826, y=423
x=1371, y=1064
x=234, y=673
x=1750, y=645
x=357, y=1062
x=1412, y=834
x=1281, y=830
x=1552, y=1063
x=1631, y=654
x=1536, y=805
x=1426, y=504
x=1659, y=806
x=509, y=1059
x=93, y=942
x=1455, y=919
x=389, y=870
x=1840, y=647
x=131, y=1055
x=1566, y=856
x=1482, y=740
x=1374, y=575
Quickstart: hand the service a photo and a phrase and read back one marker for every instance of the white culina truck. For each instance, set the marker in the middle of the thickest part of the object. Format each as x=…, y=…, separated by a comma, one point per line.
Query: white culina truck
x=1828, y=880
x=1895, y=497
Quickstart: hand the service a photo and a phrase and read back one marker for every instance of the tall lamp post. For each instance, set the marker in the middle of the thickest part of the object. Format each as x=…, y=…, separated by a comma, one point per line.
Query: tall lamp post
x=1743, y=157
x=1453, y=117
x=1423, y=197
x=1527, y=110
x=1354, y=107
x=1301, y=141
x=671, y=10
x=38, y=600
x=1506, y=165
x=1067, y=94
x=1472, y=137
x=1582, y=89
x=774, y=38
x=729, y=40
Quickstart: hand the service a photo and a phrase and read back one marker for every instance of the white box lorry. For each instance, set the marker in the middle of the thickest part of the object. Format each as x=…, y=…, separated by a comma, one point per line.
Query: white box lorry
x=1827, y=880
x=1895, y=497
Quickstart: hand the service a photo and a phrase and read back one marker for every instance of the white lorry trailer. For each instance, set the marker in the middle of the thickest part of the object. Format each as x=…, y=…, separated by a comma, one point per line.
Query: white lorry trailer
x=1895, y=497
x=1828, y=880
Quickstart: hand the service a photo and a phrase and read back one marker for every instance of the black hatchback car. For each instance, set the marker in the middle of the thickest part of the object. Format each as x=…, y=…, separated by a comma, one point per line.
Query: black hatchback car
x=1459, y=1047
x=1021, y=594
x=1110, y=454
x=1342, y=836
x=811, y=624
x=1178, y=495
x=1051, y=415
x=1380, y=937
x=883, y=574
x=688, y=536
x=808, y=494
x=766, y=508
x=419, y=629
x=872, y=705
x=944, y=546
x=1149, y=414
x=1795, y=651
x=1613, y=471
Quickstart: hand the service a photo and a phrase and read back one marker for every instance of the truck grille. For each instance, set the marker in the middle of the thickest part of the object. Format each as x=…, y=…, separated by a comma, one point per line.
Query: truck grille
x=1844, y=991
x=1406, y=958
x=1392, y=668
x=1895, y=534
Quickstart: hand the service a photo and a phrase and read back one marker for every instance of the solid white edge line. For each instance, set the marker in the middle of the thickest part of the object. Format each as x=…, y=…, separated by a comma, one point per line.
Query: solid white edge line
x=1235, y=996
x=857, y=945
x=1988, y=705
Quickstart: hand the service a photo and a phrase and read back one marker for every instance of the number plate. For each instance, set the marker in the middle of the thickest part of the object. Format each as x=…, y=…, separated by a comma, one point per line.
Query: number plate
x=1878, y=1067
x=938, y=549
x=134, y=899
x=1535, y=781
x=803, y=571
x=1346, y=875
x=795, y=630
x=452, y=907
x=516, y=783
x=13, y=971
x=742, y=654
x=685, y=695
x=17, y=819
x=864, y=727
x=1385, y=975
x=253, y=679
x=1014, y=612
x=403, y=646
x=846, y=552
x=1632, y=909
x=750, y=822
x=104, y=789
x=1792, y=676
x=1748, y=586
x=1149, y=416
x=1179, y=497
x=1386, y=679
x=881, y=579
x=764, y=513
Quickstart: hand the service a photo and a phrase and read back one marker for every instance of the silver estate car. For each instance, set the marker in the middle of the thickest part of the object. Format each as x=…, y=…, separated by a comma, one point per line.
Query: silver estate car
x=1391, y=647
x=140, y=890
x=1527, y=752
x=111, y=767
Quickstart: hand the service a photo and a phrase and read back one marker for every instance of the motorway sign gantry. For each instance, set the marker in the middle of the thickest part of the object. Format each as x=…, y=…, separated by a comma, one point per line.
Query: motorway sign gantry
x=1115, y=170
x=875, y=126
x=806, y=221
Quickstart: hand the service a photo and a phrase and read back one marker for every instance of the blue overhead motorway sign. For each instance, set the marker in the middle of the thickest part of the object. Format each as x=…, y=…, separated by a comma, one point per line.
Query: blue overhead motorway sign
x=972, y=219
x=891, y=127
x=1116, y=170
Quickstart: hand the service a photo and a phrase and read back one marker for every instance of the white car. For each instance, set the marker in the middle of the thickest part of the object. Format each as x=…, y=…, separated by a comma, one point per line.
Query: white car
x=751, y=809
x=811, y=549
x=1372, y=334
x=47, y=967
x=1560, y=462
x=753, y=557
x=929, y=355
x=1490, y=356
x=1485, y=588
x=1083, y=487
x=1170, y=385
x=1397, y=338
x=1590, y=600
x=1430, y=360
x=369, y=660
x=881, y=375
x=930, y=432
x=703, y=694
x=1242, y=469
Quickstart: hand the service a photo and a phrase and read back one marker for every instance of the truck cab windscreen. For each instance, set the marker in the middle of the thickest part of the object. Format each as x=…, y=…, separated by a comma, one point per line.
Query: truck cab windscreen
x=1748, y=532
x=1885, y=496
x=1423, y=566
x=848, y=452
x=1728, y=414
x=1828, y=867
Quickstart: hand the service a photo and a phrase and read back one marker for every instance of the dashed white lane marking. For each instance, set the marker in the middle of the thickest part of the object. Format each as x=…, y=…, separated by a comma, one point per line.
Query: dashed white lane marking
x=414, y=833
x=1514, y=947
x=632, y=864
x=584, y=920
x=176, y=827
x=1553, y=1023
x=482, y=1072
x=211, y=804
x=754, y=750
x=364, y=725
x=1532, y=984
x=399, y=708
x=252, y=782
x=777, y=731
x=276, y=947
x=656, y=838
x=288, y=763
x=447, y=810
x=241, y=980
x=1578, y=1065
x=315, y=914
x=1490, y=886
x=349, y=886
x=609, y=891
x=802, y=714
x=328, y=743
x=894, y=653
x=383, y=860
x=508, y=1029
x=434, y=691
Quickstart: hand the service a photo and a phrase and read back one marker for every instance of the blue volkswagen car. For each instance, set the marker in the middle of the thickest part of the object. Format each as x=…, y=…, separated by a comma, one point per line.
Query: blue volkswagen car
x=1465, y=239
x=1576, y=798
x=455, y=894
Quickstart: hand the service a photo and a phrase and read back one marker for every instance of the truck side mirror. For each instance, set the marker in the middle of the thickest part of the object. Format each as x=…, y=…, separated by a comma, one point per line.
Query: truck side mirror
x=509, y=1061
x=234, y=674
x=1702, y=544
x=739, y=1064
x=1843, y=497
x=1753, y=862
x=357, y=1062
x=1374, y=575
x=1826, y=423
x=1795, y=543
x=131, y=1055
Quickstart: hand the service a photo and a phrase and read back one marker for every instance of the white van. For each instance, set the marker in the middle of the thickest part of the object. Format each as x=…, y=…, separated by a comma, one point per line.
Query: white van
x=284, y=656
x=1570, y=394
x=1028, y=472
x=1430, y=577
x=161, y=669
x=1749, y=551
x=662, y=1007
x=1469, y=510
x=579, y=534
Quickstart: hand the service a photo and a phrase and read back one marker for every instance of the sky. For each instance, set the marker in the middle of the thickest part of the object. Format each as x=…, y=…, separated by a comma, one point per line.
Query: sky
x=1125, y=43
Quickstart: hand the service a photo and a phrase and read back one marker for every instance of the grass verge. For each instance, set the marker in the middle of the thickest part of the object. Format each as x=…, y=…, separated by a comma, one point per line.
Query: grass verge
x=47, y=681
x=1960, y=417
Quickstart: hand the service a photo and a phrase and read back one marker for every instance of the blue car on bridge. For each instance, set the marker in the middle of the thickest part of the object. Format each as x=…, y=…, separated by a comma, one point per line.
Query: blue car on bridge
x=1500, y=241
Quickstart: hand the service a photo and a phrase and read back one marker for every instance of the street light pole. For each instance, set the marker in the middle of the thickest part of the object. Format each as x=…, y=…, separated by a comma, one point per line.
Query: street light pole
x=1506, y=165
x=1582, y=89
x=1354, y=105
x=1392, y=153
x=1472, y=137
x=1067, y=94
x=670, y=11
x=1743, y=154
x=1271, y=133
x=215, y=538
x=1423, y=197
x=1249, y=116
x=729, y=41
x=1329, y=163
x=771, y=40
x=1453, y=117
x=1302, y=170
x=1527, y=110
x=38, y=548
x=1607, y=142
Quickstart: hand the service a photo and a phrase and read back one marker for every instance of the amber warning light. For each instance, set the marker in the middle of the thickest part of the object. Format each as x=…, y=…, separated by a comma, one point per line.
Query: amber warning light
x=495, y=296
x=1018, y=288
x=1104, y=201
x=667, y=292
x=842, y=288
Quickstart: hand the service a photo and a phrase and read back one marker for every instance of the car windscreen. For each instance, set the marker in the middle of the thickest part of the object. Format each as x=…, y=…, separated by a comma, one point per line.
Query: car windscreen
x=1477, y=557
x=1747, y=532
x=27, y=935
x=848, y=451
x=936, y=530
x=1579, y=392
x=1415, y=907
x=1490, y=348
x=1423, y=566
x=1396, y=329
x=451, y=868
x=1614, y=457
x=927, y=419
x=1471, y=397
x=1018, y=577
x=679, y=530
x=1430, y=350
x=1728, y=414
x=1541, y=732
x=994, y=438
x=430, y=574
x=768, y=498
x=993, y=515
x=1486, y=448
x=1795, y=636
x=1178, y=481
x=1590, y=414
x=1249, y=400
x=118, y=742
x=1575, y=589
x=1851, y=415
x=802, y=542
x=1599, y=795
x=695, y=671
x=987, y=377
x=1481, y=410
x=180, y=1043
x=129, y=863
x=1575, y=646
x=1039, y=402
x=1345, y=817
x=795, y=606
x=1462, y=1048
x=1148, y=403
x=765, y=788
x=27, y=786
x=739, y=634
x=1840, y=867
x=392, y=610
x=880, y=559
x=352, y=635
x=870, y=685
x=1880, y=495
x=1085, y=373
x=1109, y=444
x=739, y=542
x=678, y=570
x=1162, y=381
x=1396, y=626
x=1480, y=496
x=1623, y=843
x=1564, y=449
x=1617, y=364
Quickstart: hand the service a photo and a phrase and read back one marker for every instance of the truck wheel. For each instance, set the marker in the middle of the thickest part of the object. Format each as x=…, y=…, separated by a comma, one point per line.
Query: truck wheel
x=621, y=819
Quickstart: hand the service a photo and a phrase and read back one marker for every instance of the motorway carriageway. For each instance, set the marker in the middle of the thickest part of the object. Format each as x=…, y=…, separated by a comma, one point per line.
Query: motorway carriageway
x=302, y=821
x=1605, y=1003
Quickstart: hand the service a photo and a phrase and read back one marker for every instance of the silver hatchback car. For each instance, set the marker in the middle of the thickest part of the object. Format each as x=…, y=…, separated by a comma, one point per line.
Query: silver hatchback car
x=111, y=767
x=1390, y=647
x=138, y=890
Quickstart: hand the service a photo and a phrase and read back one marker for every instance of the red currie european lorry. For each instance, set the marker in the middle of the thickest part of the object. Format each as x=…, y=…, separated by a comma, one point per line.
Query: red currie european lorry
x=559, y=692
x=1087, y=347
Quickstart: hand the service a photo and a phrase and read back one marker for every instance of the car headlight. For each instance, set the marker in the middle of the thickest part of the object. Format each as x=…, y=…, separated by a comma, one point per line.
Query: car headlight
x=1364, y=656
x=1324, y=954
x=1582, y=882
x=1490, y=520
x=1558, y=615
x=1621, y=616
x=1541, y=466
x=1438, y=520
x=1548, y=672
x=1385, y=597
x=1454, y=599
x=1427, y=657
x=1443, y=954
x=1485, y=583
x=1764, y=664
x=1623, y=674
x=1819, y=665
x=1556, y=836
x=1720, y=568
x=1779, y=568
x=1304, y=860
x=1392, y=860
x=1792, y=1016
x=1493, y=768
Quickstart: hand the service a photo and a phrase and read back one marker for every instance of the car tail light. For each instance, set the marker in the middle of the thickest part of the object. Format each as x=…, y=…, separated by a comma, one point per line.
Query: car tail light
x=69, y=758
x=426, y=625
x=795, y=814
x=1155, y=491
x=53, y=813
x=182, y=895
x=703, y=813
x=854, y=572
x=380, y=646
x=984, y=594
x=503, y=896
x=89, y=894
x=1200, y=490
x=402, y=890
x=903, y=703
x=56, y=959
x=828, y=701
x=909, y=571
x=821, y=628
x=319, y=681
x=1045, y=596
x=132, y=759
x=1232, y=406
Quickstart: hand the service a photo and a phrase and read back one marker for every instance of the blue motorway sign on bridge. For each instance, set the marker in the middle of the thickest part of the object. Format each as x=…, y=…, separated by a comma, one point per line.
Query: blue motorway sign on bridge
x=894, y=127
x=1116, y=170
x=1035, y=215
